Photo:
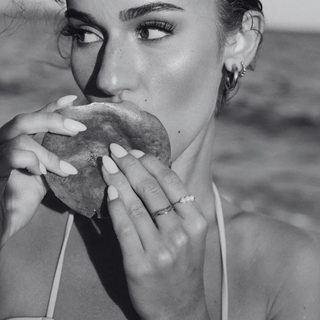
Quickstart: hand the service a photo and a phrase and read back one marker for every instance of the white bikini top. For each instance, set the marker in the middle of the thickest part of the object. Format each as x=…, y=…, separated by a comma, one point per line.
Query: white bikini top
x=58, y=272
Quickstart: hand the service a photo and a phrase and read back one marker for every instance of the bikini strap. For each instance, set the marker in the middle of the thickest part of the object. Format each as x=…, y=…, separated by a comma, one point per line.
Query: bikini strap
x=58, y=272
x=222, y=236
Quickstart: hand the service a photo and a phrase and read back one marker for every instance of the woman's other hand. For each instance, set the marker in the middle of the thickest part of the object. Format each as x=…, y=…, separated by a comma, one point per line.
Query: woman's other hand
x=164, y=257
x=23, y=161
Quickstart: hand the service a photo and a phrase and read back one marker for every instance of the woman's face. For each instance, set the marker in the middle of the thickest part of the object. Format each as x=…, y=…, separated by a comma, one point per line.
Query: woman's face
x=161, y=56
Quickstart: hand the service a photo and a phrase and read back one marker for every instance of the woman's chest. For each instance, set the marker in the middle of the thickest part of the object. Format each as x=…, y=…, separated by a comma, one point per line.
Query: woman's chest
x=92, y=282
x=83, y=292
x=246, y=296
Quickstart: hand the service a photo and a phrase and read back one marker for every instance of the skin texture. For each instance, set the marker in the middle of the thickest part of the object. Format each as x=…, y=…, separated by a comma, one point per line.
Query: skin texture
x=133, y=267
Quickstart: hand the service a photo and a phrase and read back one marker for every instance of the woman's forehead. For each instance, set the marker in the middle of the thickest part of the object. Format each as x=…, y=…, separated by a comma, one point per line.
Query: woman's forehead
x=118, y=6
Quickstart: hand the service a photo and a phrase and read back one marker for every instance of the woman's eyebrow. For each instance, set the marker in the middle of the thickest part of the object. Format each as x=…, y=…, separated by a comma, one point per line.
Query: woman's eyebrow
x=79, y=15
x=140, y=11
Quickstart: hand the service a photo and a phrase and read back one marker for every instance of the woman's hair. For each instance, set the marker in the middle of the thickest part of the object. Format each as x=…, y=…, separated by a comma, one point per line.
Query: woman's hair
x=231, y=13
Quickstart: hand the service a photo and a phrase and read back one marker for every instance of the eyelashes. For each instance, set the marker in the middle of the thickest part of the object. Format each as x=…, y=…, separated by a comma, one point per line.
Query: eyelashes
x=155, y=30
x=68, y=30
x=147, y=31
x=81, y=35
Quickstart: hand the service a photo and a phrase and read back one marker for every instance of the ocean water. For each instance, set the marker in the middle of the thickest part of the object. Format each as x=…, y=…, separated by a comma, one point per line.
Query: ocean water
x=268, y=140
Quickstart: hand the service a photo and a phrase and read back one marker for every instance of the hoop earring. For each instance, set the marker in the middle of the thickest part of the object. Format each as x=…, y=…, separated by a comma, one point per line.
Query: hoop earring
x=232, y=79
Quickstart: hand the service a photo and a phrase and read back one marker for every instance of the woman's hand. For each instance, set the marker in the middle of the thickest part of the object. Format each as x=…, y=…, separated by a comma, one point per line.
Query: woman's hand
x=164, y=257
x=23, y=161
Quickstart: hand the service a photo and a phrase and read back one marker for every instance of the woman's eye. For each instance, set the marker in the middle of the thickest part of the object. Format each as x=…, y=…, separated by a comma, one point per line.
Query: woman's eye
x=151, y=34
x=154, y=30
x=81, y=36
x=85, y=36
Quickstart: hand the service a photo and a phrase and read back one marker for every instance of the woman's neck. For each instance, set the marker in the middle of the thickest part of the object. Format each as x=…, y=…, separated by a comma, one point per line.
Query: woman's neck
x=194, y=168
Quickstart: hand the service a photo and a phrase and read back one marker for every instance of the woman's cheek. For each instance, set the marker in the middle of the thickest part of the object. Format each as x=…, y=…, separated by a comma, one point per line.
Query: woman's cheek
x=83, y=67
x=187, y=90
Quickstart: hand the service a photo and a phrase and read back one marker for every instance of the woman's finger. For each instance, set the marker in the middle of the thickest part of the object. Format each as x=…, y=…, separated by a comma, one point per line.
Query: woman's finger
x=63, y=102
x=147, y=188
x=18, y=159
x=135, y=208
x=43, y=120
x=33, y=123
x=176, y=191
x=10, y=157
x=171, y=184
x=184, y=202
x=124, y=227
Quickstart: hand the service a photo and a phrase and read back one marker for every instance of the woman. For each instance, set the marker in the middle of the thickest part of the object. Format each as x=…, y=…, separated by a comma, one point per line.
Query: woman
x=176, y=60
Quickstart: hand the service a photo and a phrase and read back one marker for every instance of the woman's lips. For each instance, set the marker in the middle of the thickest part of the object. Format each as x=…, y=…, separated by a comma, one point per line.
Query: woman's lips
x=121, y=103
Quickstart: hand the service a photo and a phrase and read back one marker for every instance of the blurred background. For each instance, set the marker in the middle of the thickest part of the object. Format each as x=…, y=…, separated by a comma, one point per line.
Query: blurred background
x=267, y=151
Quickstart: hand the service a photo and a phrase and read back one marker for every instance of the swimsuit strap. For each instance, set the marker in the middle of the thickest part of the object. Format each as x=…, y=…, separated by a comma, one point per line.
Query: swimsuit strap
x=222, y=236
x=58, y=273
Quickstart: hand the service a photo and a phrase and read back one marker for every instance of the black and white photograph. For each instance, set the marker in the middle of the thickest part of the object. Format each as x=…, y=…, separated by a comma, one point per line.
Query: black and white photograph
x=159, y=160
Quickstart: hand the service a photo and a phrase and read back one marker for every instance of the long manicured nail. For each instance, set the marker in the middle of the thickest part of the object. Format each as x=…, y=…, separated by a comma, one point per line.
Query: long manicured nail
x=136, y=153
x=109, y=165
x=66, y=101
x=74, y=126
x=112, y=193
x=42, y=168
x=67, y=168
x=117, y=150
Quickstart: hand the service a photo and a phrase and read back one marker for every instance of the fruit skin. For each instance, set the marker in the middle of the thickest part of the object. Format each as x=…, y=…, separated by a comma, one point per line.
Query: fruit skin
x=106, y=123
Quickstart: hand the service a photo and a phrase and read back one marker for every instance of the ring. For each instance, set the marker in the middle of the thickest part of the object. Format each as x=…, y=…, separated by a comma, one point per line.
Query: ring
x=162, y=211
x=186, y=199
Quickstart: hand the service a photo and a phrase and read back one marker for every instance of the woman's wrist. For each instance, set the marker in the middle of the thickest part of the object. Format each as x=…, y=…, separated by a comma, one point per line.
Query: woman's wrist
x=194, y=312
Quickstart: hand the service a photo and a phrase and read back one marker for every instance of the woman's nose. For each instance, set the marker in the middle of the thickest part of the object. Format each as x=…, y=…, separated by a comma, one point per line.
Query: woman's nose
x=117, y=70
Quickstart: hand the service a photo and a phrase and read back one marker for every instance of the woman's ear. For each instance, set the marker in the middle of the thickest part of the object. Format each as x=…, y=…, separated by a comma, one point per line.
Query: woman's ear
x=242, y=46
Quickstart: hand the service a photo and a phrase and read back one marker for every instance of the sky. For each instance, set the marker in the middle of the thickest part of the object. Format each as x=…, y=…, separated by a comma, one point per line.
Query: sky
x=298, y=15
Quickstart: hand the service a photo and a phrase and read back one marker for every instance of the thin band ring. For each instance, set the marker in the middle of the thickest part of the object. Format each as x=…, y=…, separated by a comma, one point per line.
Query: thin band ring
x=162, y=211
x=182, y=200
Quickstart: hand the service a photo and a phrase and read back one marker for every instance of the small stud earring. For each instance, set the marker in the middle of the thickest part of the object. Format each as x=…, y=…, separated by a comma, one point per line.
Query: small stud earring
x=243, y=71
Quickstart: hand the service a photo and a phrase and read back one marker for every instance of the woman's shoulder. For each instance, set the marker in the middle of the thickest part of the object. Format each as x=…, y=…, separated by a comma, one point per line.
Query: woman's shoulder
x=281, y=258
x=268, y=236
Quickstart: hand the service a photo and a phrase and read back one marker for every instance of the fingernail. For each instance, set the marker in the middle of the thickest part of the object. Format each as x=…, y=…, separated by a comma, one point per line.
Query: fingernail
x=42, y=168
x=67, y=168
x=117, y=150
x=112, y=193
x=109, y=165
x=66, y=101
x=74, y=126
x=136, y=153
